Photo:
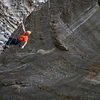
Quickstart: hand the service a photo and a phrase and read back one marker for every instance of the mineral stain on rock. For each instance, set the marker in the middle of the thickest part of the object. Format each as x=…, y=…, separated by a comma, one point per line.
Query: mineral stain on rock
x=62, y=58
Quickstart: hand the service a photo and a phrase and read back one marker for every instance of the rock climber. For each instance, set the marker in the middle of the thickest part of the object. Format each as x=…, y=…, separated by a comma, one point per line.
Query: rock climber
x=21, y=40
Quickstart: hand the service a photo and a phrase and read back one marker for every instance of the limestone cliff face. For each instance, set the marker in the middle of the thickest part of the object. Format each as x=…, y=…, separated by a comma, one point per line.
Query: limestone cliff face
x=70, y=15
x=72, y=11
x=62, y=58
x=11, y=12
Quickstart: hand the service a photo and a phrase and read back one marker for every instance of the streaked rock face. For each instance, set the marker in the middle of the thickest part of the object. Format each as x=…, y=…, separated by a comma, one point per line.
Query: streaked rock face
x=62, y=58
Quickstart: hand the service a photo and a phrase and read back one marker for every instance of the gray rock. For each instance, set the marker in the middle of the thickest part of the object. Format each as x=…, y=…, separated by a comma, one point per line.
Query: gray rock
x=41, y=73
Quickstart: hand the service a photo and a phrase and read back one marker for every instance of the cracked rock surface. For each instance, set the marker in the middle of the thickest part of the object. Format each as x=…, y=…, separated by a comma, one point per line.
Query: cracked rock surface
x=62, y=58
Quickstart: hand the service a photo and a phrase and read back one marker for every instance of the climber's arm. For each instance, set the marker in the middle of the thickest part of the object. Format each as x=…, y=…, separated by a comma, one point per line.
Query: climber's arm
x=22, y=47
x=23, y=26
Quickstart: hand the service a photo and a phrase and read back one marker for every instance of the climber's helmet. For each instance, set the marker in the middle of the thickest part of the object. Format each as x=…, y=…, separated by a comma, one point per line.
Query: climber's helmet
x=29, y=32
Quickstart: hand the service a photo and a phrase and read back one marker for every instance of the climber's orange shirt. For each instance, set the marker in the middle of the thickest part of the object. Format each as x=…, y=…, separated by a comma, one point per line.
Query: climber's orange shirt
x=24, y=37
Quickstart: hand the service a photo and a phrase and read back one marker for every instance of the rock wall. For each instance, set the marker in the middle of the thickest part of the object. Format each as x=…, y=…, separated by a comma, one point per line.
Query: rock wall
x=70, y=15
x=62, y=58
